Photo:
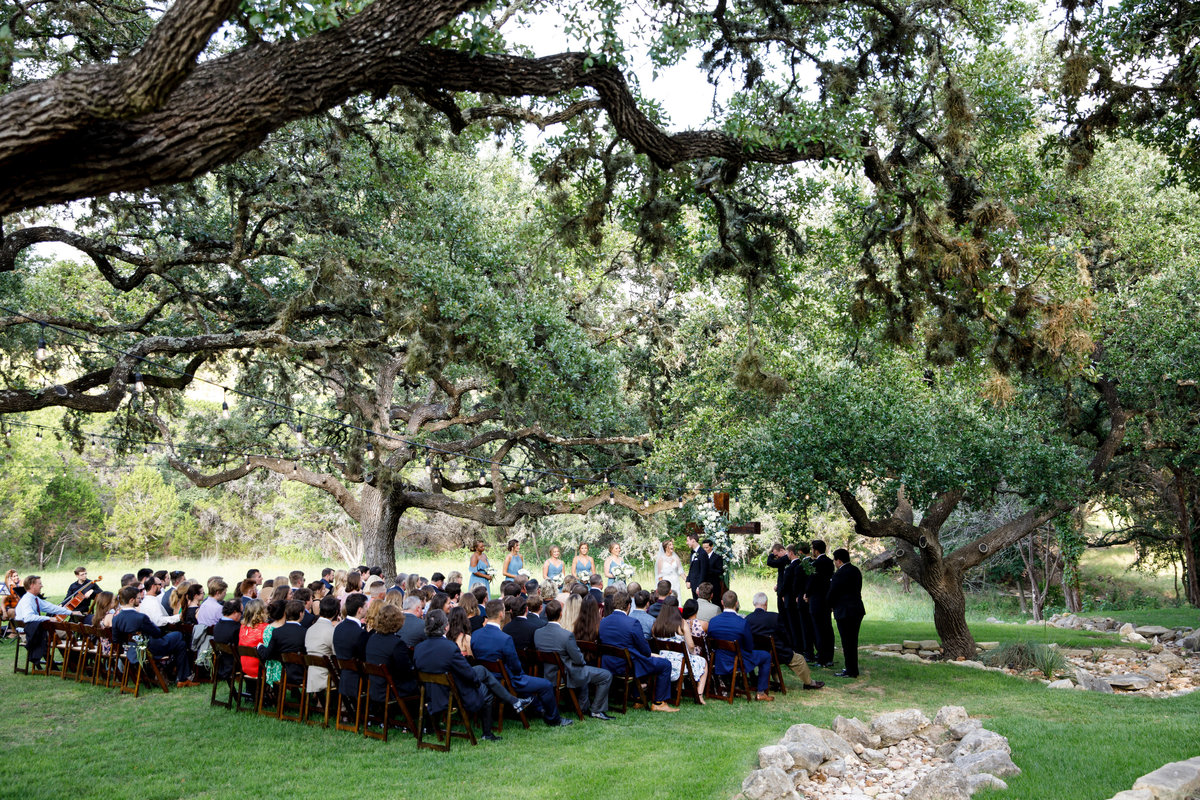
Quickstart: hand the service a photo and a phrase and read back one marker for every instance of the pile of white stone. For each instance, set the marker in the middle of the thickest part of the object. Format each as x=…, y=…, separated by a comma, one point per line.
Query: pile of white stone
x=1177, y=781
x=900, y=754
x=1156, y=672
x=1183, y=637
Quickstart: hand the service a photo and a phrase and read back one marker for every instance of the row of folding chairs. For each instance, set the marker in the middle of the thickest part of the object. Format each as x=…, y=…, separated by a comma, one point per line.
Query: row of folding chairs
x=88, y=654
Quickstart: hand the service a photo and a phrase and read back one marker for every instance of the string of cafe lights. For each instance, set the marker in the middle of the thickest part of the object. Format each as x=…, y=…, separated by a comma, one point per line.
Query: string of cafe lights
x=569, y=480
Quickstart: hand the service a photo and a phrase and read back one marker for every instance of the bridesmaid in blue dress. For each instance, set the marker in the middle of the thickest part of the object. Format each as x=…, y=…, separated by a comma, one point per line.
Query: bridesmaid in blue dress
x=479, y=562
x=513, y=563
x=554, y=566
x=583, y=562
x=614, y=559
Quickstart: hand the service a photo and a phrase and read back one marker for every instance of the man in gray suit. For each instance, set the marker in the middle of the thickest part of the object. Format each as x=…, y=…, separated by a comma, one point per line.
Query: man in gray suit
x=593, y=681
x=413, y=632
x=318, y=641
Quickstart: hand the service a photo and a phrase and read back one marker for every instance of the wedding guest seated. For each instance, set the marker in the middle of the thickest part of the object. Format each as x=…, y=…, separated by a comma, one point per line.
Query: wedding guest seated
x=470, y=603
x=227, y=631
x=518, y=627
x=187, y=600
x=661, y=592
x=477, y=686
x=318, y=590
x=641, y=600
x=459, y=630
x=305, y=596
x=706, y=609
x=767, y=623
x=596, y=588
x=151, y=604
x=698, y=627
x=350, y=641
x=729, y=626
x=490, y=643
x=248, y=591
x=32, y=611
x=534, y=607
x=128, y=579
x=176, y=578
x=440, y=601
x=453, y=591
x=287, y=638
x=438, y=581
x=570, y=613
x=131, y=622
x=318, y=641
x=587, y=624
x=618, y=630
x=670, y=627
x=254, y=627
x=327, y=579
x=414, y=620
x=386, y=648
x=591, y=683
x=209, y=612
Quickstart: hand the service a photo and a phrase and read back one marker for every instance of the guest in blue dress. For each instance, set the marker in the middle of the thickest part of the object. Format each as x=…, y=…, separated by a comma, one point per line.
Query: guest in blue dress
x=583, y=562
x=553, y=566
x=614, y=559
x=513, y=563
x=478, y=566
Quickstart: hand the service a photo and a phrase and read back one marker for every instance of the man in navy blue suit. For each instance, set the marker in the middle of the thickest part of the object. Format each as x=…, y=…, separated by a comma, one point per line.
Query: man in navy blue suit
x=729, y=626
x=490, y=643
x=620, y=630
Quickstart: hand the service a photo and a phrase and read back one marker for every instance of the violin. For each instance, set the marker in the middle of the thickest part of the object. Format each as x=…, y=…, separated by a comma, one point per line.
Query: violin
x=73, y=602
x=12, y=598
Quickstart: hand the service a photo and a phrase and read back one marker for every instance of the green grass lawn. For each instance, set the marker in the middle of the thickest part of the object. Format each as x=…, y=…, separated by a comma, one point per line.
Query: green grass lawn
x=64, y=738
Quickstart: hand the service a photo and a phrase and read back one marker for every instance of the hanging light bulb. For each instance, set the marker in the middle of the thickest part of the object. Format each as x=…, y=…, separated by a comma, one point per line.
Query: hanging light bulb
x=572, y=495
x=299, y=431
x=370, y=450
x=224, y=405
x=139, y=385
x=37, y=435
x=527, y=488
x=42, y=354
x=295, y=467
x=612, y=497
x=681, y=502
x=482, y=478
x=645, y=502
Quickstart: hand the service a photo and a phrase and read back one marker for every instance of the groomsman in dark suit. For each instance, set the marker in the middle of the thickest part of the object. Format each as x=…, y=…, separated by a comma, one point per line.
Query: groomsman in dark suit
x=698, y=565
x=592, y=683
x=817, y=595
x=845, y=599
x=350, y=641
x=778, y=560
x=715, y=569
x=795, y=581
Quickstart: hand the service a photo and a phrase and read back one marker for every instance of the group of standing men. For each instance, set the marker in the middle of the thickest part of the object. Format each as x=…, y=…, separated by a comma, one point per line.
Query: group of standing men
x=809, y=589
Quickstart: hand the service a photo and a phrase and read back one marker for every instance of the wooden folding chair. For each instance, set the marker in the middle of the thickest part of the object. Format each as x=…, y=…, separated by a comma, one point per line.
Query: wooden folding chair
x=560, y=683
x=591, y=653
x=301, y=704
x=498, y=669
x=454, y=703
x=235, y=681
x=87, y=653
x=330, y=690
x=19, y=627
x=355, y=666
x=51, y=631
x=768, y=643
x=137, y=667
x=687, y=677
x=246, y=651
x=628, y=678
x=391, y=697
x=739, y=670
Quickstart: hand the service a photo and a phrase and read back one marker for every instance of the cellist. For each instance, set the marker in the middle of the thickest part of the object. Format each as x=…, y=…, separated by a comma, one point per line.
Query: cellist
x=81, y=580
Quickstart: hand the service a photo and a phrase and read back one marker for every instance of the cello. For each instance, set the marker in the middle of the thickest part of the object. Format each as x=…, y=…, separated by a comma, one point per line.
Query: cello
x=74, y=600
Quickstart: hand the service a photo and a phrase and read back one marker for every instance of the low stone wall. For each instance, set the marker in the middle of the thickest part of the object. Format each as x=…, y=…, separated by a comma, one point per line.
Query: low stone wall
x=1177, y=781
x=900, y=754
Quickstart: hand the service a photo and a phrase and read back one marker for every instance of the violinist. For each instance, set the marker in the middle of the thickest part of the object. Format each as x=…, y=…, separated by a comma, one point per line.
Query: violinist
x=10, y=595
x=81, y=581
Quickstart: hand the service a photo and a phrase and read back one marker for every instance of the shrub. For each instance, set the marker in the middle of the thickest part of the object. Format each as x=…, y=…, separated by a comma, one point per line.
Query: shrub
x=1022, y=656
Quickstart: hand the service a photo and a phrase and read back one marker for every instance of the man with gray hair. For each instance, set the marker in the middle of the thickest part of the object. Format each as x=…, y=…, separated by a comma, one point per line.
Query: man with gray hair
x=768, y=624
x=413, y=631
x=596, y=588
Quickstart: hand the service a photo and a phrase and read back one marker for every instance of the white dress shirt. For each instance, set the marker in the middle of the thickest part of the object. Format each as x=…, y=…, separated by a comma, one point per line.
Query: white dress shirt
x=31, y=606
x=152, y=608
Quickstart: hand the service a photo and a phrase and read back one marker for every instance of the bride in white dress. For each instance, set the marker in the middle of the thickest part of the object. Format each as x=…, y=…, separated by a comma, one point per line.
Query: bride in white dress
x=668, y=567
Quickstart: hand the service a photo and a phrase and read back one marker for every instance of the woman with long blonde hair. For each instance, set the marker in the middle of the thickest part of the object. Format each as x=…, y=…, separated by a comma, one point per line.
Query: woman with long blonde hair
x=570, y=612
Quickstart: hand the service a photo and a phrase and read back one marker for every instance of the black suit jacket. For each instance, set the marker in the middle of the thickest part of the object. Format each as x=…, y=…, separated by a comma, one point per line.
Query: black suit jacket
x=307, y=620
x=413, y=632
x=287, y=638
x=130, y=622
x=715, y=571
x=349, y=641
x=768, y=623
x=537, y=620
x=697, y=568
x=794, y=581
x=226, y=632
x=521, y=630
x=598, y=596
x=442, y=656
x=476, y=623
x=818, y=583
x=780, y=564
x=845, y=593
x=390, y=651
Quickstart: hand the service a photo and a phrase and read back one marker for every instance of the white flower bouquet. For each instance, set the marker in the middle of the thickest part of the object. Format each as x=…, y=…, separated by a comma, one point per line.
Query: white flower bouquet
x=623, y=572
x=583, y=575
x=524, y=572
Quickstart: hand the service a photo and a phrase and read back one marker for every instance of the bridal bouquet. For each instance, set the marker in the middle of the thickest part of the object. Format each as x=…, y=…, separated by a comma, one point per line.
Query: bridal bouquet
x=584, y=575
x=623, y=572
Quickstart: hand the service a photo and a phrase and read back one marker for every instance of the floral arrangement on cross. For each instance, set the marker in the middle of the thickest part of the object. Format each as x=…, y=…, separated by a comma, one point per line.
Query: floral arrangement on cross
x=715, y=526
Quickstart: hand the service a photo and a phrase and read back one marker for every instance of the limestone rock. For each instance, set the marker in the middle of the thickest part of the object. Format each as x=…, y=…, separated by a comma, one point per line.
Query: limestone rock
x=839, y=746
x=987, y=645
x=1150, y=631
x=1065, y=683
x=1191, y=641
x=874, y=756
x=933, y=734
x=944, y=751
x=960, y=729
x=968, y=663
x=977, y=741
x=891, y=648
x=771, y=783
x=1133, y=681
x=1136, y=637
x=994, y=762
x=1169, y=662
x=1156, y=672
x=1091, y=682
x=911, y=657
x=911, y=644
x=896, y=726
x=948, y=716
x=1172, y=781
x=855, y=731
x=1127, y=629
x=835, y=768
x=1134, y=794
x=806, y=746
x=929, y=644
x=775, y=756
x=946, y=782
x=985, y=780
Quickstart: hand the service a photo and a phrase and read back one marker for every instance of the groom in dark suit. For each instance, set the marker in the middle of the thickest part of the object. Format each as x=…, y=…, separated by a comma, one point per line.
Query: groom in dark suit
x=593, y=681
x=698, y=565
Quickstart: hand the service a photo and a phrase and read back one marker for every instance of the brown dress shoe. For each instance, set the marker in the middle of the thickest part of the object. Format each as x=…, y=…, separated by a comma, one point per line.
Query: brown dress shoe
x=764, y=696
x=662, y=707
